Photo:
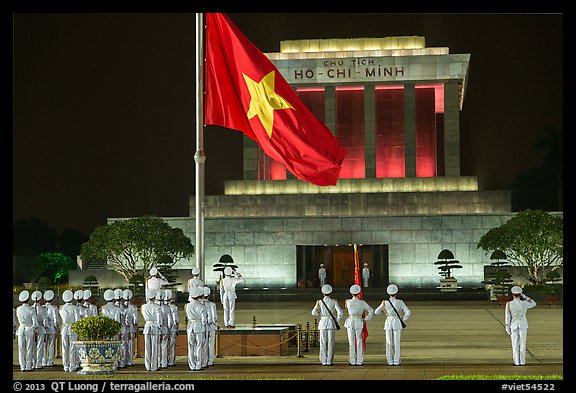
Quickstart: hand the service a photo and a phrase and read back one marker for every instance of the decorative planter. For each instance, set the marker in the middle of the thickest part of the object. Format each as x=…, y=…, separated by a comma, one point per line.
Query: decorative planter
x=552, y=299
x=502, y=299
x=448, y=284
x=98, y=357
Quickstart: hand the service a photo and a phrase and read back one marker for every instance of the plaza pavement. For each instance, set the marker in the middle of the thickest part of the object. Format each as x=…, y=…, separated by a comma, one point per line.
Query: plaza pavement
x=442, y=338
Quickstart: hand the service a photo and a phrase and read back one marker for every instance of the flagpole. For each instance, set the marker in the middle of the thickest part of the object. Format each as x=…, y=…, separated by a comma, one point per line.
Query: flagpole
x=199, y=157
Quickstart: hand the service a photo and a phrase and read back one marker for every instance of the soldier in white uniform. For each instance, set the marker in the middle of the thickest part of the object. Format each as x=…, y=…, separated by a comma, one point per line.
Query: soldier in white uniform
x=112, y=311
x=152, y=323
x=355, y=324
x=173, y=329
x=156, y=280
x=27, y=323
x=78, y=296
x=228, y=294
x=90, y=310
x=392, y=324
x=123, y=335
x=211, y=328
x=322, y=275
x=196, y=319
x=132, y=325
x=52, y=324
x=330, y=313
x=166, y=324
x=40, y=334
x=69, y=314
x=517, y=324
x=365, y=275
x=195, y=281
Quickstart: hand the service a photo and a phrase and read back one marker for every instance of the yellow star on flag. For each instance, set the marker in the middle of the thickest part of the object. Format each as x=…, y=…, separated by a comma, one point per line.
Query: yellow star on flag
x=264, y=101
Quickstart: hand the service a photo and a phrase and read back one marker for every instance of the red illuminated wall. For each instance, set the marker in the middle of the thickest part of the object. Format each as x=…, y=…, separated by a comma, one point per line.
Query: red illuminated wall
x=390, y=131
x=350, y=130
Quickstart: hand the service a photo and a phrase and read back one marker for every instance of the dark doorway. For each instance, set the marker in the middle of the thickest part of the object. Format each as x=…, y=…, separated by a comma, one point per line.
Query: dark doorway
x=339, y=264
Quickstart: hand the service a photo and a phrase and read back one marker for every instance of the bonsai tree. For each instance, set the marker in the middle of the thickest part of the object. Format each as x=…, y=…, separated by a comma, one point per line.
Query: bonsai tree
x=532, y=238
x=96, y=328
x=446, y=259
x=499, y=277
x=90, y=282
x=225, y=261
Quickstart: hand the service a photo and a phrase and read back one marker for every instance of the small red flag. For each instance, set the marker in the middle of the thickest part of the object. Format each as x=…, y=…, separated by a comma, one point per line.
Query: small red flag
x=357, y=282
x=246, y=92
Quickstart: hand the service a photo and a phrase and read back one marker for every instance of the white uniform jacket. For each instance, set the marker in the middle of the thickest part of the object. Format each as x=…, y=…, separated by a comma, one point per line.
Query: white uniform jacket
x=175, y=318
x=195, y=282
x=52, y=322
x=69, y=314
x=156, y=283
x=515, y=313
x=228, y=285
x=212, y=315
x=27, y=319
x=392, y=321
x=132, y=319
x=355, y=308
x=167, y=321
x=41, y=315
x=114, y=312
x=152, y=318
x=326, y=321
x=196, y=315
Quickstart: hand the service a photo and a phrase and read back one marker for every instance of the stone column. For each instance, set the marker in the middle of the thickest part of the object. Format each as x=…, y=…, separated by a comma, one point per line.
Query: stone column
x=370, y=131
x=410, y=130
x=452, y=128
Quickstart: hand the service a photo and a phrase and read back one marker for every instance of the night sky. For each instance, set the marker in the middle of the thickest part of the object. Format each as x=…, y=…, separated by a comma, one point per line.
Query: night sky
x=104, y=104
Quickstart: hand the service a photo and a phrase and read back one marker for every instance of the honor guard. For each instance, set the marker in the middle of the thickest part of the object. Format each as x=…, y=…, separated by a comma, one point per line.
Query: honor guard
x=132, y=325
x=52, y=326
x=322, y=275
x=78, y=296
x=394, y=310
x=212, y=326
x=517, y=324
x=27, y=323
x=228, y=294
x=110, y=309
x=195, y=281
x=355, y=324
x=152, y=322
x=90, y=310
x=165, y=325
x=173, y=329
x=41, y=316
x=196, y=319
x=365, y=275
x=68, y=314
x=156, y=280
x=123, y=335
x=330, y=313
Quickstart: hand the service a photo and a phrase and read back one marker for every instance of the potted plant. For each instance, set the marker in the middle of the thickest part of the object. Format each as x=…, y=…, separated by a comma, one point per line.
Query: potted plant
x=552, y=287
x=97, y=349
x=499, y=278
x=446, y=259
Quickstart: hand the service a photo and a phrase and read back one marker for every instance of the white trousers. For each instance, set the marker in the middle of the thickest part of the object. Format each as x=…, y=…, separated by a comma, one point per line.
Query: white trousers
x=195, y=351
x=393, y=346
x=327, y=339
x=129, y=361
x=518, y=337
x=69, y=355
x=355, y=348
x=205, y=348
x=123, y=351
x=163, y=361
x=26, y=349
x=211, y=347
x=171, y=347
x=151, y=345
x=50, y=348
x=40, y=358
x=229, y=306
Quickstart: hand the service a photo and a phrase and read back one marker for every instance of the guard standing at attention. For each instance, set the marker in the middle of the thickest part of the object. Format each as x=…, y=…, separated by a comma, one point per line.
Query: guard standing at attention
x=69, y=314
x=517, y=324
x=156, y=280
x=331, y=313
x=322, y=275
x=132, y=325
x=173, y=330
x=228, y=294
x=41, y=315
x=395, y=310
x=212, y=326
x=152, y=323
x=196, y=317
x=52, y=326
x=195, y=281
x=165, y=326
x=27, y=323
x=355, y=324
x=365, y=275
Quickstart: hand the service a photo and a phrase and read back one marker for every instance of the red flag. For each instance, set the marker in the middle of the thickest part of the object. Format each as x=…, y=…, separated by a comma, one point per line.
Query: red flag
x=357, y=282
x=246, y=92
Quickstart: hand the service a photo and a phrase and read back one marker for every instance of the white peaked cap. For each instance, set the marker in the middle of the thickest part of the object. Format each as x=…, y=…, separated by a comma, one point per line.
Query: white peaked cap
x=67, y=296
x=108, y=295
x=321, y=265
x=355, y=289
x=227, y=270
x=79, y=294
x=167, y=294
x=326, y=289
x=127, y=294
x=516, y=289
x=196, y=292
x=392, y=289
x=159, y=294
x=36, y=295
x=49, y=295
x=206, y=291
x=87, y=294
x=153, y=271
x=150, y=293
x=118, y=294
x=365, y=264
x=24, y=296
x=195, y=271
